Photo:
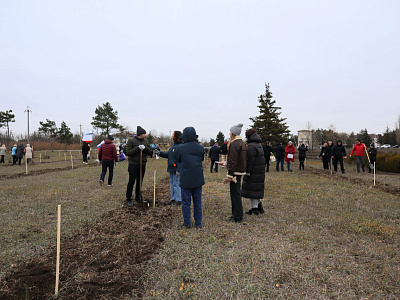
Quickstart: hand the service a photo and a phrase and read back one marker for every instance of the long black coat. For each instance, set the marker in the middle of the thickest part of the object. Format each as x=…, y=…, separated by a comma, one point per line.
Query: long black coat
x=253, y=185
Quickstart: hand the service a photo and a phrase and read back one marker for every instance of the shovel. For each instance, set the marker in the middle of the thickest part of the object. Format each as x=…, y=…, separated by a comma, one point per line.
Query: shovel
x=141, y=201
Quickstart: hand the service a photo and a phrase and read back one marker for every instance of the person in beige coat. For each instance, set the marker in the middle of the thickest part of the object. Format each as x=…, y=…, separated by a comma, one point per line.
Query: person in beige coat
x=3, y=151
x=28, y=153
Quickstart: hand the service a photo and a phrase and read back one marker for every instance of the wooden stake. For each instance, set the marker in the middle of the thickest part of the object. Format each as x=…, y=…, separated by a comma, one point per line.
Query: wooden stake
x=154, y=191
x=26, y=165
x=331, y=166
x=40, y=159
x=72, y=162
x=65, y=156
x=70, y=152
x=374, y=173
x=58, y=249
x=59, y=152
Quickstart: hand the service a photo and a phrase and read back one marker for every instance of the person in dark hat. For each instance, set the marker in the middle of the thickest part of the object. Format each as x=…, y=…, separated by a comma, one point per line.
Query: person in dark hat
x=107, y=155
x=134, y=147
x=372, y=152
x=267, y=155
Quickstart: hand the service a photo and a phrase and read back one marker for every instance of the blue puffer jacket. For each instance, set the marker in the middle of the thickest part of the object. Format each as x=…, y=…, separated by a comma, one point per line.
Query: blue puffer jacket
x=171, y=155
x=190, y=157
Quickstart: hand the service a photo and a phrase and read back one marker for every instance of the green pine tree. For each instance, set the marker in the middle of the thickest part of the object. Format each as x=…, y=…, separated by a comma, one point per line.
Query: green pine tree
x=49, y=130
x=6, y=117
x=64, y=134
x=220, y=138
x=268, y=124
x=106, y=119
x=364, y=137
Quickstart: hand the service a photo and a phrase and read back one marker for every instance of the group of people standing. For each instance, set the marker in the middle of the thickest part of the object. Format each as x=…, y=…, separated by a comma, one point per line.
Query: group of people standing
x=17, y=153
x=284, y=154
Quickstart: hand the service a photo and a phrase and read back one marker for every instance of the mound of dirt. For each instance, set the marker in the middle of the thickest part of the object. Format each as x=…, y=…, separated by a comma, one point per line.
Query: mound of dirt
x=103, y=261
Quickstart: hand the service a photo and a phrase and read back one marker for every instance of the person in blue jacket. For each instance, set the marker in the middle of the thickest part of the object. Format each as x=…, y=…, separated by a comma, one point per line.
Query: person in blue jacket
x=14, y=154
x=172, y=169
x=190, y=156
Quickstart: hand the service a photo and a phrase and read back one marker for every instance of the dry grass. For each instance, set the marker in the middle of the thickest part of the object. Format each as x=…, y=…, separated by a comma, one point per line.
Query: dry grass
x=319, y=239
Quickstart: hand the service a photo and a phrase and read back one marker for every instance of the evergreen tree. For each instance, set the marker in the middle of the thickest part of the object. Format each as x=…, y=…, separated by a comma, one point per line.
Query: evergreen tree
x=64, y=134
x=212, y=142
x=49, y=130
x=364, y=137
x=106, y=119
x=220, y=138
x=268, y=124
x=6, y=117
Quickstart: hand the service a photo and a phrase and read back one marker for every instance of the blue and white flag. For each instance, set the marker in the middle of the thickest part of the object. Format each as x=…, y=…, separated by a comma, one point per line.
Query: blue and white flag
x=88, y=137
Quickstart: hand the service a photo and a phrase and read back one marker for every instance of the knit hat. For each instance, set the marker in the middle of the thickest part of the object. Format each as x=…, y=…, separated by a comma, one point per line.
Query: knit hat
x=140, y=131
x=250, y=132
x=290, y=143
x=110, y=137
x=236, y=129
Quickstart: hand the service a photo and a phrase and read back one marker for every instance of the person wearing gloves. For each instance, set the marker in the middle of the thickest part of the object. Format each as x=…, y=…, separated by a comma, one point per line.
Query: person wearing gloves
x=236, y=165
x=3, y=151
x=190, y=156
x=359, y=149
x=289, y=155
x=172, y=168
x=338, y=153
x=107, y=155
x=253, y=182
x=136, y=145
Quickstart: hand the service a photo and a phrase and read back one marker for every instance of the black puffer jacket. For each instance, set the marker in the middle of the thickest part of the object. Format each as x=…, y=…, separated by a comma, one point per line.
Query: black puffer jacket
x=253, y=185
x=338, y=150
x=302, y=151
x=280, y=151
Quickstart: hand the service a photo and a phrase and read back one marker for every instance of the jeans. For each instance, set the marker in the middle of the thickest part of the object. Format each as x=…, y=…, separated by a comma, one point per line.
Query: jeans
x=279, y=161
x=289, y=166
x=236, y=198
x=174, y=182
x=134, y=175
x=360, y=159
x=216, y=166
x=187, y=194
x=104, y=165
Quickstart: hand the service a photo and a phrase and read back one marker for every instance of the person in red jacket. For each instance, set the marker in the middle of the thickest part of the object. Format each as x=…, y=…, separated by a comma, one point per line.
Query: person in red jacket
x=359, y=148
x=289, y=155
x=107, y=156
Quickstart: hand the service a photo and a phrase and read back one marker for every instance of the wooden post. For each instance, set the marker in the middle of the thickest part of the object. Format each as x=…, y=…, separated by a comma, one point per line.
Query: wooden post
x=72, y=162
x=45, y=152
x=26, y=166
x=374, y=173
x=58, y=249
x=331, y=165
x=65, y=156
x=59, y=152
x=70, y=152
x=40, y=157
x=154, y=191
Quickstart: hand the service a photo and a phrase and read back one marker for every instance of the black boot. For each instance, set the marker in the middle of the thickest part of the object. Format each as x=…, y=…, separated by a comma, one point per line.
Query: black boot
x=260, y=208
x=253, y=211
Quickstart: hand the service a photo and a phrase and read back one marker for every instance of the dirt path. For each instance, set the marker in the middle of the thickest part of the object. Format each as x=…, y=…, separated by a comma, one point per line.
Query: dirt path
x=103, y=261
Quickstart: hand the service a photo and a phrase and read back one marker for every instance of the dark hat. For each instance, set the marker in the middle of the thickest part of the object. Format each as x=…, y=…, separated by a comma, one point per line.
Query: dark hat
x=110, y=137
x=140, y=131
x=250, y=132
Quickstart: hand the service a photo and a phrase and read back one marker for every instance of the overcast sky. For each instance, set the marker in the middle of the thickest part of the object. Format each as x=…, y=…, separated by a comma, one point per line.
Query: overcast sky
x=165, y=65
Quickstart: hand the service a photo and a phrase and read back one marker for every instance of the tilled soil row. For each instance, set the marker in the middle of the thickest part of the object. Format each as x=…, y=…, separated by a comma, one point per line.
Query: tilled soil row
x=383, y=187
x=103, y=261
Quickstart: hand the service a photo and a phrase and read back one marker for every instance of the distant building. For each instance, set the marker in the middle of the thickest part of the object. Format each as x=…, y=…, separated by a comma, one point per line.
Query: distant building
x=305, y=137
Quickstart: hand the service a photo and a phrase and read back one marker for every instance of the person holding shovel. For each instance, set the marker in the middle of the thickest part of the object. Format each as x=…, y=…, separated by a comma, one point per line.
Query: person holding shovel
x=137, y=150
x=172, y=168
x=359, y=149
x=190, y=156
x=372, y=156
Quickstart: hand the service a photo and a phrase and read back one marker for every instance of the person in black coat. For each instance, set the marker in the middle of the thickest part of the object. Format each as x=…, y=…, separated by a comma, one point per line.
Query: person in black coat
x=302, y=155
x=224, y=150
x=213, y=153
x=280, y=156
x=20, y=153
x=372, y=155
x=267, y=154
x=85, y=151
x=253, y=182
x=338, y=153
x=326, y=156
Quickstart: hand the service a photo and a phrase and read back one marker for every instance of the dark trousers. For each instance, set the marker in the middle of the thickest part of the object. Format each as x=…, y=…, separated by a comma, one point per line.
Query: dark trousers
x=2, y=159
x=19, y=160
x=14, y=159
x=85, y=157
x=360, y=161
x=267, y=163
x=104, y=165
x=216, y=166
x=373, y=161
x=187, y=195
x=301, y=160
x=337, y=159
x=325, y=162
x=280, y=161
x=134, y=176
x=236, y=198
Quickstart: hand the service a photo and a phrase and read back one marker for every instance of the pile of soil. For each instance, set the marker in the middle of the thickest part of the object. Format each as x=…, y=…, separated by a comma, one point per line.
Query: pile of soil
x=104, y=261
